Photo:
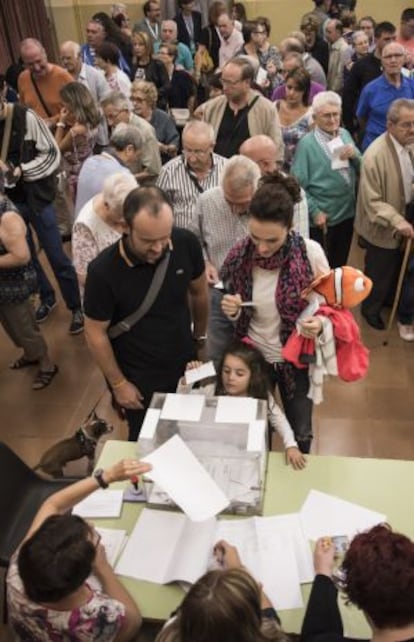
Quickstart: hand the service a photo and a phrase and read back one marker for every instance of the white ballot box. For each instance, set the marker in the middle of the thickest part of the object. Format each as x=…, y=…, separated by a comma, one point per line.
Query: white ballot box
x=228, y=435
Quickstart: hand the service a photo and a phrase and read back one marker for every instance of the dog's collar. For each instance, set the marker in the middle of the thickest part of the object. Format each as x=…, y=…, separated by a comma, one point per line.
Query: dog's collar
x=84, y=437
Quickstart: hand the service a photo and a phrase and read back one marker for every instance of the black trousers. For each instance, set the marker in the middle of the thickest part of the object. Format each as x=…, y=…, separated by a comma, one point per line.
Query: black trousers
x=382, y=266
x=298, y=408
x=338, y=241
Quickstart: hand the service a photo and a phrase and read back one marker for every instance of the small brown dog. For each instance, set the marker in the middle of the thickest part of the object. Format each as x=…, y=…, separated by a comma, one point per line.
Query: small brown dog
x=82, y=444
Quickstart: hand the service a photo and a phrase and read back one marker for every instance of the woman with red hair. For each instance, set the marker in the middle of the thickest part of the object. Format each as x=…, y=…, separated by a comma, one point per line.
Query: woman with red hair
x=377, y=577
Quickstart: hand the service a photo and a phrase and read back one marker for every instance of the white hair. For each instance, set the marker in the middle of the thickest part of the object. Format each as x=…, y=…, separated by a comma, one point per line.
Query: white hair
x=358, y=34
x=325, y=98
x=170, y=23
x=115, y=190
x=240, y=172
x=200, y=127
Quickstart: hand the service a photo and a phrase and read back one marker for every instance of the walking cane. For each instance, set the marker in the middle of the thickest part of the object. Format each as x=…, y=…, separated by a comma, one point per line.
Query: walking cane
x=398, y=291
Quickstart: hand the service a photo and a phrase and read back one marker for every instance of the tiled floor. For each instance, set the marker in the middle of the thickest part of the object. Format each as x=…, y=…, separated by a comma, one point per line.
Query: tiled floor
x=369, y=418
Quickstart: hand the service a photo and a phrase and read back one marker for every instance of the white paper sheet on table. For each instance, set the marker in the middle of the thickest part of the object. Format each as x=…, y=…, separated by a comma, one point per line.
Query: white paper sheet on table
x=323, y=514
x=266, y=548
x=183, y=407
x=179, y=473
x=164, y=547
x=275, y=552
x=101, y=503
x=113, y=541
x=236, y=410
x=202, y=372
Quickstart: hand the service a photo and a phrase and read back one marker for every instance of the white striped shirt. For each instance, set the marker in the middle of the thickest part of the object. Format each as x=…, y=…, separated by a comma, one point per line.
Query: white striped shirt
x=176, y=182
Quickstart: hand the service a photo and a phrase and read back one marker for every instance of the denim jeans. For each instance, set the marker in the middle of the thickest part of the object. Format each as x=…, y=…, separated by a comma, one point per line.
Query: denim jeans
x=45, y=226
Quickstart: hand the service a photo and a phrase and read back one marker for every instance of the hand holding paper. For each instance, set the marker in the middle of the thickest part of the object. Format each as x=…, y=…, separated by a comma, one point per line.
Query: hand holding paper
x=180, y=474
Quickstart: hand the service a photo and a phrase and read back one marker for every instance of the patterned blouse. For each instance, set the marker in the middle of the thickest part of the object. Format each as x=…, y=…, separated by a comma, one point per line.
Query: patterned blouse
x=99, y=620
x=90, y=236
x=292, y=134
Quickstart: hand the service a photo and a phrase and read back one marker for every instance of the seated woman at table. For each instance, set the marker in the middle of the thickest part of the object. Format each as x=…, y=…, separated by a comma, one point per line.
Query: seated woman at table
x=48, y=593
x=144, y=102
x=378, y=578
x=225, y=605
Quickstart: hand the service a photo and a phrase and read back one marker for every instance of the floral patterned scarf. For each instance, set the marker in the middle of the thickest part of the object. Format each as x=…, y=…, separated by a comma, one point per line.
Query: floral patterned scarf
x=295, y=276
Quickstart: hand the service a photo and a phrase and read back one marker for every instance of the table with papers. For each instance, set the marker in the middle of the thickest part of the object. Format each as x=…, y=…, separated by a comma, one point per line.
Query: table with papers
x=383, y=486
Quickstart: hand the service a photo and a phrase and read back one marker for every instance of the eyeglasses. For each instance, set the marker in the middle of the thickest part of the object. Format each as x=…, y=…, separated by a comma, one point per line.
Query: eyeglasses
x=332, y=115
x=406, y=126
x=137, y=99
x=259, y=32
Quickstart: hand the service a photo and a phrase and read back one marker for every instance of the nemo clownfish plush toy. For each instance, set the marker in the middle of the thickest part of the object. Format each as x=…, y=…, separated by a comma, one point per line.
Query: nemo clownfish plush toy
x=343, y=287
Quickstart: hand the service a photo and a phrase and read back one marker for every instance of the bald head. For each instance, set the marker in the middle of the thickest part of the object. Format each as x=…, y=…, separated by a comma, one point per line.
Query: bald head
x=262, y=150
x=70, y=57
x=34, y=57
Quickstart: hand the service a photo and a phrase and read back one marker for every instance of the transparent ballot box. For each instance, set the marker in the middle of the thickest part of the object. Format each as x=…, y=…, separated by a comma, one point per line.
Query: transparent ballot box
x=228, y=435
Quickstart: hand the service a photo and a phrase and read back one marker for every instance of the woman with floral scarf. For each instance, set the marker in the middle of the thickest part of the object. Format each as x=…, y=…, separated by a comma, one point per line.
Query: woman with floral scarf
x=268, y=271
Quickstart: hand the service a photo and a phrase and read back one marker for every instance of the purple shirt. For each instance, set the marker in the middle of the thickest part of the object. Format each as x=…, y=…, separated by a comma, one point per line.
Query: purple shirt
x=315, y=88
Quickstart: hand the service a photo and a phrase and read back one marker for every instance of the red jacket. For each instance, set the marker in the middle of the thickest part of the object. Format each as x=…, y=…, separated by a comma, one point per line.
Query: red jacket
x=351, y=354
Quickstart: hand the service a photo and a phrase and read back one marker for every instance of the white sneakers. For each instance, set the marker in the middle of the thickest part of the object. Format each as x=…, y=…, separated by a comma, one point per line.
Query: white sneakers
x=406, y=332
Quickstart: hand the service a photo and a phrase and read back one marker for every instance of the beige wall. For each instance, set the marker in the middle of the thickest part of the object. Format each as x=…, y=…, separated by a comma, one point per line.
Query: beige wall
x=70, y=16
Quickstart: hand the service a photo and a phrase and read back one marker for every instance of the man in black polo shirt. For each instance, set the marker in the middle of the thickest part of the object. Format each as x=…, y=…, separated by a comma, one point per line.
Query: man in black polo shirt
x=152, y=355
x=362, y=72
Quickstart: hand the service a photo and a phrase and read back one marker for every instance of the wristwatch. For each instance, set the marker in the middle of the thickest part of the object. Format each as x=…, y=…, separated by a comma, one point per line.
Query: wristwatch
x=98, y=474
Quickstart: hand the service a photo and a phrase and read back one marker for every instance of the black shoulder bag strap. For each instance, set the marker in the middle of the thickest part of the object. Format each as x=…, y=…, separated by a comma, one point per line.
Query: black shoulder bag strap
x=193, y=178
x=158, y=279
x=39, y=95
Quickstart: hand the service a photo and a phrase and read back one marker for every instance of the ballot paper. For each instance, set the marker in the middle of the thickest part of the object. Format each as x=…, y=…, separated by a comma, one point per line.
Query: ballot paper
x=113, y=541
x=274, y=550
x=336, y=147
x=172, y=548
x=236, y=409
x=101, y=503
x=202, y=372
x=323, y=514
x=179, y=473
x=183, y=407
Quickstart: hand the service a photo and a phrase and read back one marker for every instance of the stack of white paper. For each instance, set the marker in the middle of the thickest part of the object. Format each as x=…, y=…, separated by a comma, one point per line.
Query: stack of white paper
x=272, y=548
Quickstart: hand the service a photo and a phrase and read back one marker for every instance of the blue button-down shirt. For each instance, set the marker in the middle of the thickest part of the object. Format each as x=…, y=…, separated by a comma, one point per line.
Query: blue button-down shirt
x=374, y=102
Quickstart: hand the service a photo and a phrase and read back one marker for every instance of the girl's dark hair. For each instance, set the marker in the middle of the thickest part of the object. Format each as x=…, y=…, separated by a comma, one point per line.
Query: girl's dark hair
x=303, y=82
x=259, y=383
x=56, y=560
x=108, y=52
x=379, y=576
x=274, y=199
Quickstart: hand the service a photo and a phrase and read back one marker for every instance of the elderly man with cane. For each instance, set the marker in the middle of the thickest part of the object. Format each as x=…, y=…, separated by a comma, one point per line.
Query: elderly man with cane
x=385, y=216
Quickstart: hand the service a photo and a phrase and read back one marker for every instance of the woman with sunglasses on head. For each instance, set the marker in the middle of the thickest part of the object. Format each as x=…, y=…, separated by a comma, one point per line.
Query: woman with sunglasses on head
x=48, y=593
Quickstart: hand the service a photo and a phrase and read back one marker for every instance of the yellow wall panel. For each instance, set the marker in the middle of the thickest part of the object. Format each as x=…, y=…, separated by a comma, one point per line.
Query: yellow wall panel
x=70, y=16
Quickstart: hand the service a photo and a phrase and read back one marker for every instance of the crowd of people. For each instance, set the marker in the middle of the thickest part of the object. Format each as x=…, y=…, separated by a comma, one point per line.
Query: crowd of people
x=204, y=176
